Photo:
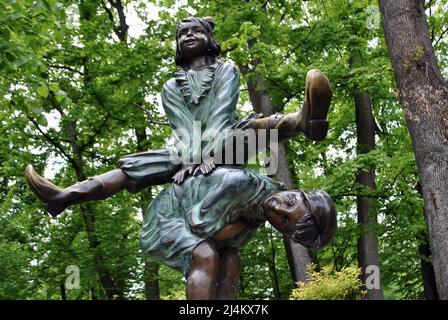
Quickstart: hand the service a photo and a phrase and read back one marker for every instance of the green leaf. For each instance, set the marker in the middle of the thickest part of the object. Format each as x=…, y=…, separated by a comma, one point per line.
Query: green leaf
x=66, y=101
x=60, y=95
x=20, y=61
x=54, y=87
x=42, y=67
x=43, y=91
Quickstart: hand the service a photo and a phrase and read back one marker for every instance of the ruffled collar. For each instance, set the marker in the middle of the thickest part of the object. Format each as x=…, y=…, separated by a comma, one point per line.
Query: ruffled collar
x=190, y=89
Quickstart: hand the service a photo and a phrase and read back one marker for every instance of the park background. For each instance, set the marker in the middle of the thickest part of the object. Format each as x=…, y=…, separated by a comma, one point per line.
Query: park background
x=79, y=88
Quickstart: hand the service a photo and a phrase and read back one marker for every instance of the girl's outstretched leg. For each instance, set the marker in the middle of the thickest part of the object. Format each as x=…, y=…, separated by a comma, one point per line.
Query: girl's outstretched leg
x=96, y=188
x=311, y=120
x=201, y=283
x=313, y=116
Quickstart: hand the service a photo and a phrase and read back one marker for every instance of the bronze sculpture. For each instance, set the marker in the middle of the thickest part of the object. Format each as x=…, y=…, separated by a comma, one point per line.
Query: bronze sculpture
x=197, y=227
x=199, y=232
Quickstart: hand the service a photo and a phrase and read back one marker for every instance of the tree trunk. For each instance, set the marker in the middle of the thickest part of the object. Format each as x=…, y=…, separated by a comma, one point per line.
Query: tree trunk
x=298, y=256
x=365, y=134
x=428, y=276
x=113, y=289
x=424, y=97
x=151, y=270
x=93, y=294
x=89, y=219
x=62, y=290
x=368, y=241
x=427, y=268
x=152, y=287
x=273, y=269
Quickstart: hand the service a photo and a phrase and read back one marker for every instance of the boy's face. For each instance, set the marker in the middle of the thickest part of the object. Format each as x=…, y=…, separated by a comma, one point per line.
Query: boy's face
x=284, y=209
x=192, y=39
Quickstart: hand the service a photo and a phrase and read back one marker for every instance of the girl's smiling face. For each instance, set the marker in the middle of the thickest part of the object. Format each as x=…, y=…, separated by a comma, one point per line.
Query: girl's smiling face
x=192, y=39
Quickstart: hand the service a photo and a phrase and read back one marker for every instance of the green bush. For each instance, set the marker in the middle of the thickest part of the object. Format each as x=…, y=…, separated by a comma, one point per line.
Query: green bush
x=174, y=295
x=327, y=284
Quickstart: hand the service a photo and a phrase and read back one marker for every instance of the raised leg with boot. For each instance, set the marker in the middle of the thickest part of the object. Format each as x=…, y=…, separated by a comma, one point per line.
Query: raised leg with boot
x=311, y=119
x=57, y=199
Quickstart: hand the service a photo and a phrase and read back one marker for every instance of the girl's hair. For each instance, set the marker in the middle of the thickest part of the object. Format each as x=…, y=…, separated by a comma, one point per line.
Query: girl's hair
x=213, y=49
x=316, y=229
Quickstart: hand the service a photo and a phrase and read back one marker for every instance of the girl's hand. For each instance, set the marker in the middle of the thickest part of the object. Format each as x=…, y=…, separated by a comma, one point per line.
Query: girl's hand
x=206, y=167
x=183, y=173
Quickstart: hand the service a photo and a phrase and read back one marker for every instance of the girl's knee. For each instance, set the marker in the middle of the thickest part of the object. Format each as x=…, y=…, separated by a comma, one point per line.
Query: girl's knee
x=205, y=253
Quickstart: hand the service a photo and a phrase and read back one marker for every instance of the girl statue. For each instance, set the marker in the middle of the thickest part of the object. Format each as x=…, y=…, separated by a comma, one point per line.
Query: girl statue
x=204, y=91
x=197, y=224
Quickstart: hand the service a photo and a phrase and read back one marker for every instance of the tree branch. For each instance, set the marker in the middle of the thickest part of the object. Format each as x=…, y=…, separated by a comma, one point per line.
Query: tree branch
x=444, y=32
x=76, y=149
x=149, y=116
x=96, y=156
x=429, y=4
x=97, y=131
x=52, y=141
x=66, y=68
x=109, y=13
x=122, y=29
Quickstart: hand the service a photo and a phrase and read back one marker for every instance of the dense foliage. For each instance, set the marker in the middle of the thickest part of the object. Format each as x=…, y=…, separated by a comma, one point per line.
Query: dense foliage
x=75, y=77
x=326, y=284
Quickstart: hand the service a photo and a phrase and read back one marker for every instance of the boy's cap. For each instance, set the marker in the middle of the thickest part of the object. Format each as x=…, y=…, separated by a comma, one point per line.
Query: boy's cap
x=322, y=208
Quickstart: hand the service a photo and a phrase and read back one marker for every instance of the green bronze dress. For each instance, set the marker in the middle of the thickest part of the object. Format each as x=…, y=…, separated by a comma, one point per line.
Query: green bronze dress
x=193, y=101
x=184, y=215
